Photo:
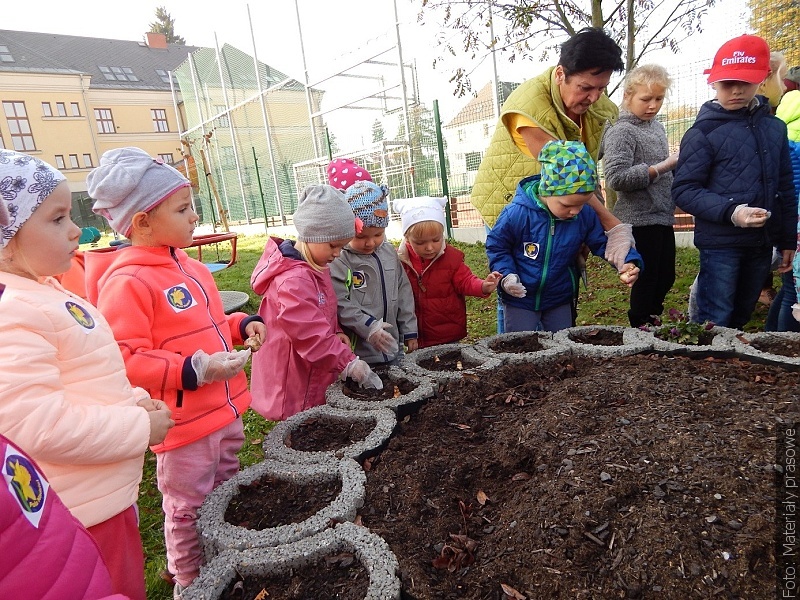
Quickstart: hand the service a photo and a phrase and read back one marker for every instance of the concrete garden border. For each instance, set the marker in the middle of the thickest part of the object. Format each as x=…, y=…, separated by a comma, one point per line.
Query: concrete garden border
x=722, y=342
x=634, y=341
x=411, y=362
x=425, y=388
x=217, y=535
x=746, y=349
x=550, y=347
x=371, y=550
x=275, y=441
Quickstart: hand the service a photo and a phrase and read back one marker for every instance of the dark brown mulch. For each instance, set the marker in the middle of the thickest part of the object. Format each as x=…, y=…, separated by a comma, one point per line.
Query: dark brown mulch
x=452, y=360
x=527, y=343
x=270, y=502
x=339, y=577
x=635, y=477
x=597, y=337
x=324, y=434
x=777, y=345
x=391, y=389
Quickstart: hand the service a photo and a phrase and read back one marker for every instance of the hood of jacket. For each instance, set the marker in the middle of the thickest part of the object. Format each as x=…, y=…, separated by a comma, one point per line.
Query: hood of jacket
x=280, y=256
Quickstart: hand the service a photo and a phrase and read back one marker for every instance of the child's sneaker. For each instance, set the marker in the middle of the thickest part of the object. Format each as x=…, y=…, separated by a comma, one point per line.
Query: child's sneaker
x=177, y=591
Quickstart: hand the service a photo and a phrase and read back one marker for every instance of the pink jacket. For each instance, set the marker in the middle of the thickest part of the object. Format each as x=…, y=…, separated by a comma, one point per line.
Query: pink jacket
x=164, y=306
x=47, y=554
x=304, y=356
x=65, y=399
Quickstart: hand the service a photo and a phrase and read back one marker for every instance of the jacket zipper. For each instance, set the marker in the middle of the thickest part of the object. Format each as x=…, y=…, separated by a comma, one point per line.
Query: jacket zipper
x=228, y=399
x=550, y=238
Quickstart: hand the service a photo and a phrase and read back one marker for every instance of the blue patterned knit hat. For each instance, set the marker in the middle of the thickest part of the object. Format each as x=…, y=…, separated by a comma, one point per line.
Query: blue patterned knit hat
x=369, y=203
x=567, y=168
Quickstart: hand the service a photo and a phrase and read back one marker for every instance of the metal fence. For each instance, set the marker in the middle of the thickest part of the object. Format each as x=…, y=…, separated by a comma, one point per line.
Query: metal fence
x=258, y=136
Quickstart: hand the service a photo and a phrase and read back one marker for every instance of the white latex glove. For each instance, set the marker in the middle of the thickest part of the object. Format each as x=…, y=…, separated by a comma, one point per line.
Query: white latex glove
x=219, y=366
x=796, y=311
x=666, y=165
x=380, y=339
x=360, y=372
x=620, y=241
x=512, y=286
x=747, y=216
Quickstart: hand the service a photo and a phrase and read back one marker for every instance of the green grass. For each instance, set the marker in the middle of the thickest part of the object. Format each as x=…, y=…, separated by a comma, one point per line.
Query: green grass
x=604, y=303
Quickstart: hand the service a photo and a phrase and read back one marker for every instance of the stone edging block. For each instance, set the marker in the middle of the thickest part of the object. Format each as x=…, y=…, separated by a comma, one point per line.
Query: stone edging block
x=371, y=550
x=425, y=389
x=550, y=347
x=217, y=535
x=634, y=341
x=410, y=363
x=722, y=342
x=740, y=345
x=275, y=441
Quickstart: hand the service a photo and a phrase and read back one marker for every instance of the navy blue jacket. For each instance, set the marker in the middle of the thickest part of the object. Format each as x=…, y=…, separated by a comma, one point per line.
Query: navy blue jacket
x=541, y=249
x=731, y=157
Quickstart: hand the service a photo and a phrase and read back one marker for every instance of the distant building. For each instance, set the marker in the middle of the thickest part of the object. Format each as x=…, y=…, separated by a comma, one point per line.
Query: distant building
x=468, y=134
x=67, y=99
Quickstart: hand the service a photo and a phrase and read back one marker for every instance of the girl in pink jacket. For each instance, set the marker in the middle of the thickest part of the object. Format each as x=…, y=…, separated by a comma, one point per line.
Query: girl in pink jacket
x=64, y=396
x=307, y=348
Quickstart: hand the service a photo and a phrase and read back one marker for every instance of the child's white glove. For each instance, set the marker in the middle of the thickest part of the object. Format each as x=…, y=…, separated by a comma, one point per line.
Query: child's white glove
x=620, y=242
x=380, y=339
x=748, y=216
x=796, y=311
x=666, y=165
x=360, y=372
x=219, y=366
x=512, y=286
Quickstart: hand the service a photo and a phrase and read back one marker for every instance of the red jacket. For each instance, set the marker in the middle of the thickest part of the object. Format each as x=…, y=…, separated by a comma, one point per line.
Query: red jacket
x=163, y=306
x=440, y=287
x=46, y=551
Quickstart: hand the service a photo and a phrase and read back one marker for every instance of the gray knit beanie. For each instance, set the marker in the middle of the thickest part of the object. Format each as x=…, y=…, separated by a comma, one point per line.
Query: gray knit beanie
x=323, y=215
x=128, y=181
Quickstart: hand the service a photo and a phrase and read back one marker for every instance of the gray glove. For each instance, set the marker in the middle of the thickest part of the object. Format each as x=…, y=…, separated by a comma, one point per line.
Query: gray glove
x=512, y=286
x=380, y=339
x=747, y=216
x=219, y=366
x=620, y=242
x=360, y=372
x=796, y=311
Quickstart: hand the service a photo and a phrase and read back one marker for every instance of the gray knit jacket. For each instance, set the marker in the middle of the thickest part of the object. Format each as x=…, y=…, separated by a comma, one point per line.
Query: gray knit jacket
x=629, y=148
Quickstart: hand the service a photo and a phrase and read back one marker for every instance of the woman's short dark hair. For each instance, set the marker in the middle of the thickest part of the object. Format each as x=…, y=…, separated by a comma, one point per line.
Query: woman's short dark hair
x=591, y=49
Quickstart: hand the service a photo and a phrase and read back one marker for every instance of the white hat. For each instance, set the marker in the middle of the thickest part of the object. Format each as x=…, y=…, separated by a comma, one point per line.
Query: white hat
x=422, y=208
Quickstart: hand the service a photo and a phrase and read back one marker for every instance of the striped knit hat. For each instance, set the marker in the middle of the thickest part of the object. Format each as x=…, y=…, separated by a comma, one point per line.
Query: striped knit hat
x=369, y=203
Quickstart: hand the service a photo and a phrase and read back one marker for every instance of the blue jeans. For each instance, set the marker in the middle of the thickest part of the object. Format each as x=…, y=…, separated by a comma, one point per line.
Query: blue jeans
x=552, y=319
x=729, y=283
x=779, y=317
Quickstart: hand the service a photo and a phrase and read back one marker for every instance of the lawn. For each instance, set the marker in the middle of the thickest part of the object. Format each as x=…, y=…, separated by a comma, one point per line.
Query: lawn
x=604, y=302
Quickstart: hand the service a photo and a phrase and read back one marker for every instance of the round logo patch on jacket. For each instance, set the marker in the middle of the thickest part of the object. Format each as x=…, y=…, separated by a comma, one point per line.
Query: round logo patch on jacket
x=80, y=314
x=531, y=250
x=359, y=280
x=26, y=484
x=179, y=297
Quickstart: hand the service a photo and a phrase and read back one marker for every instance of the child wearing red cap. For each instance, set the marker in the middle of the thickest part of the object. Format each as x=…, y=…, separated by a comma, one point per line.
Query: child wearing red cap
x=734, y=175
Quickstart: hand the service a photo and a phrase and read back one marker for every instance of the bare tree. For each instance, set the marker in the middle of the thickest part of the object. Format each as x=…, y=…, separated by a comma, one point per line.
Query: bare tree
x=534, y=29
x=166, y=24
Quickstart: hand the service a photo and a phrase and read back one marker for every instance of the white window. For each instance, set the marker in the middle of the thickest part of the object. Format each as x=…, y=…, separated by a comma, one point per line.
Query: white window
x=47, y=110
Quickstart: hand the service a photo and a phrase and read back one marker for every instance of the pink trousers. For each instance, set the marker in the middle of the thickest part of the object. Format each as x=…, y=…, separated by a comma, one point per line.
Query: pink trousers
x=186, y=475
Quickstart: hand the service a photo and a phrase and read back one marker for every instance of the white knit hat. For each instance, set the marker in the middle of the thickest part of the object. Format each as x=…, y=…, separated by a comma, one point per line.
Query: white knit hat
x=422, y=208
x=25, y=182
x=128, y=181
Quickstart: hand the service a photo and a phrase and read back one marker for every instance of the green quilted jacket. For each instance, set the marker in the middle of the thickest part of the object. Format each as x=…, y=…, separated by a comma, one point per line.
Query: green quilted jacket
x=503, y=165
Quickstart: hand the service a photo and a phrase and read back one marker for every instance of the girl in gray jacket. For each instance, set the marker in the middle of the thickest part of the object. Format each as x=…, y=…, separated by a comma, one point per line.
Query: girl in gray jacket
x=638, y=165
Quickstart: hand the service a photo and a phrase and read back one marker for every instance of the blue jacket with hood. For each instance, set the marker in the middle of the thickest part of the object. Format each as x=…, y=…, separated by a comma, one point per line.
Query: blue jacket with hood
x=541, y=249
x=732, y=157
